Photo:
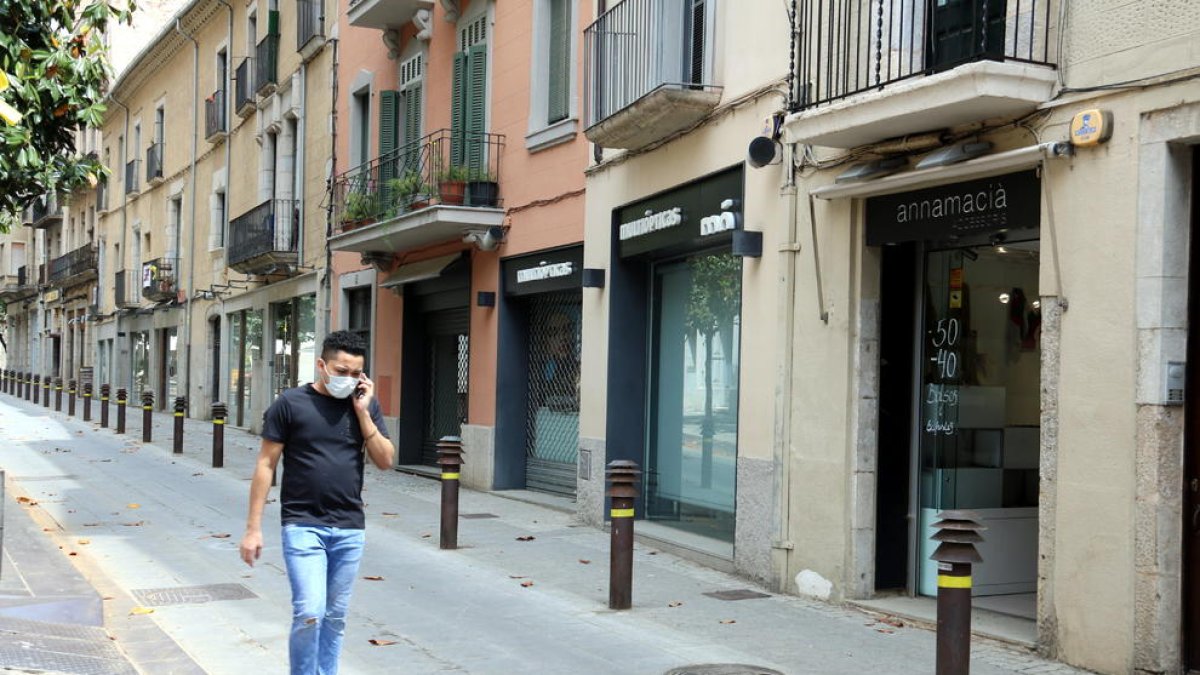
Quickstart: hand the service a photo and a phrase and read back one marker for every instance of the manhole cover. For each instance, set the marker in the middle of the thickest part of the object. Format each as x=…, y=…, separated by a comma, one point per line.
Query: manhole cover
x=722, y=669
x=477, y=516
x=738, y=594
x=191, y=595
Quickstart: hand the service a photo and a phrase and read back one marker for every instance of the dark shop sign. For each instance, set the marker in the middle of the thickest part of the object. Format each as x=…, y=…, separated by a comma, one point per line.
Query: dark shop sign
x=956, y=212
x=701, y=214
x=543, y=272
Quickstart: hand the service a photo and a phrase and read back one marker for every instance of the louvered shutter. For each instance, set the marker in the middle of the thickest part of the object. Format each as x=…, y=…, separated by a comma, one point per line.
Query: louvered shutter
x=560, y=61
x=458, y=102
x=476, y=106
x=412, y=125
x=389, y=108
x=699, y=25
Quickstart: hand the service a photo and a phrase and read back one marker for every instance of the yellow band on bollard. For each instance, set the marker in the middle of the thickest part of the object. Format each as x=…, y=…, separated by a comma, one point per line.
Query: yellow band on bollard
x=58, y=389
x=449, y=476
x=218, y=421
x=179, y=414
x=147, y=407
x=945, y=581
x=621, y=513
x=103, y=398
x=87, y=395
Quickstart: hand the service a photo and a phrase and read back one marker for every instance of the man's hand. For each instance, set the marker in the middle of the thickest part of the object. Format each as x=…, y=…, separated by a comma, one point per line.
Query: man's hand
x=251, y=548
x=363, y=395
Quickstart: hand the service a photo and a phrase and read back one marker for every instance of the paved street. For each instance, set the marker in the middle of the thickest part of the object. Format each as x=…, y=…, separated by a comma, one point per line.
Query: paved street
x=132, y=518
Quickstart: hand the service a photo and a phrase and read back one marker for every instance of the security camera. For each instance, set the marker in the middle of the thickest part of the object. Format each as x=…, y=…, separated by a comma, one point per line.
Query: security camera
x=486, y=240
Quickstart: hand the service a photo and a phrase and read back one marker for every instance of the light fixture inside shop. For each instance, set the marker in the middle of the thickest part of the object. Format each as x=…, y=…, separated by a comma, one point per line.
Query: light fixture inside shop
x=1004, y=298
x=878, y=168
x=954, y=154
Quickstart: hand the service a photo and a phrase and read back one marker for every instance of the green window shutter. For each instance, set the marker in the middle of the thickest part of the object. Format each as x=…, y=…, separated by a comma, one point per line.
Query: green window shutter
x=458, y=103
x=389, y=108
x=273, y=22
x=559, y=103
x=412, y=124
x=476, y=105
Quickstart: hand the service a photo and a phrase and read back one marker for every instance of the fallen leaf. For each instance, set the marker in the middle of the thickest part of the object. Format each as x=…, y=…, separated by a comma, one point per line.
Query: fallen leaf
x=426, y=535
x=221, y=536
x=652, y=553
x=892, y=621
x=84, y=542
x=107, y=597
x=72, y=553
x=517, y=576
x=91, y=524
x=198, y=473
x=26, y=501
x=380, y=642
x=46, y=529
x=141, y=610
x=888, y=631
x=133, y=506
x=526, y=584
x=373, y=578
x=528, y=537
x=137, y=524
x=674, y=603
x=727, y=621
x=390, y=514
x=584, y=562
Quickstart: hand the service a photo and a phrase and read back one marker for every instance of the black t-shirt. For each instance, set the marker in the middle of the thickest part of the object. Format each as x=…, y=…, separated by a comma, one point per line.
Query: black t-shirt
x=322, y=456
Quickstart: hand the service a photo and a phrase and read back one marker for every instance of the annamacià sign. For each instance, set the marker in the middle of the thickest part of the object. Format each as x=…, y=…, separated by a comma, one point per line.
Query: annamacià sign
x=958, y=212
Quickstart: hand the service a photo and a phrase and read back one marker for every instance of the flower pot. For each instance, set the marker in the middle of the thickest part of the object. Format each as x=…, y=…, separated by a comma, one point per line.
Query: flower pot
x=452, y=192
x=483, y=193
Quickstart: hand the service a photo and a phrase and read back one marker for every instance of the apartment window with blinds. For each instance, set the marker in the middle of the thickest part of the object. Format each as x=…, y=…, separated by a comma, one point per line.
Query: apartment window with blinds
x=558, y=99
x=400, y=120
x=552, y=92
x=468, y=105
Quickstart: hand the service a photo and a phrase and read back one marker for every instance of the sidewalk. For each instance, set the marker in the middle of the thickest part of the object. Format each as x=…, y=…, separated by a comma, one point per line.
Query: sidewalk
x=163, y=530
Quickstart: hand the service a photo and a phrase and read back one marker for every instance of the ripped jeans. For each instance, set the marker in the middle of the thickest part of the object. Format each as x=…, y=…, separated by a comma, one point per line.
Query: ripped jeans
x=321, y=564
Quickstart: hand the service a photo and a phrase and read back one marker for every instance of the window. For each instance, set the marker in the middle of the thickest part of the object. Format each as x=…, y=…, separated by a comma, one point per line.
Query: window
x=360, y=126
x=552, y=101
x=222, y=71
x=468, y=104
x=412, y=81
x=218, y=220
x=558, y=98
x=358, y=305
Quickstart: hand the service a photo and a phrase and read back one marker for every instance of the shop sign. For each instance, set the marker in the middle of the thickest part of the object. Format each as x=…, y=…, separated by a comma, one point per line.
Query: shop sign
x=544, y=272
x=700, y=214
x=949, y=213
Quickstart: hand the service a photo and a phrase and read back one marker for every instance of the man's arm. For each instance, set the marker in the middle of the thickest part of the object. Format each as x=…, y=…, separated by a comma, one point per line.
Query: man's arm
x=379, y=448
x=260, y=485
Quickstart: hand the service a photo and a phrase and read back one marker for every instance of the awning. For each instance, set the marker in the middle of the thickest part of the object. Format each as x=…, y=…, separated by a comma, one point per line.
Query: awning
x=419, y=271
x=988, y=165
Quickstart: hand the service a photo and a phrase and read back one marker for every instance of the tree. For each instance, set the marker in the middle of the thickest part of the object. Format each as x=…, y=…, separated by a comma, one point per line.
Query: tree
x=54, y=75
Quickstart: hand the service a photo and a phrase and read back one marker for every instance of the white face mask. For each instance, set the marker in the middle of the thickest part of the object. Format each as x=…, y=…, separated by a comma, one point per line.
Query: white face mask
x=339, y=387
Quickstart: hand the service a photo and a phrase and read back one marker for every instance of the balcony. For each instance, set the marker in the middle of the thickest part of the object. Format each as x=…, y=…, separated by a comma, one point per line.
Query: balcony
x=46, y=212
x=878, y=70
x=243, y=91
x=384, y=14
x=132, y=173
x=215, y=127
x=76, y=267
x=438, y=188
x=266, y=64
x=310, y=27
x=17, y=286
x=154, y=164
x=264, y=240
x=160, y=279
x=646, y=73
x=123, y=294
x=102, y=194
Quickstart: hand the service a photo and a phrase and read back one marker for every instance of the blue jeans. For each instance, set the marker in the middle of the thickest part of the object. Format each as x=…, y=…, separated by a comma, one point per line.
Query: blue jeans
x=321, y=564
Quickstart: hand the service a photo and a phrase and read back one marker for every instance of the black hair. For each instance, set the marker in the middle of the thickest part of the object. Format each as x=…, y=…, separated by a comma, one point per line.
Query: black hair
x=343, y=341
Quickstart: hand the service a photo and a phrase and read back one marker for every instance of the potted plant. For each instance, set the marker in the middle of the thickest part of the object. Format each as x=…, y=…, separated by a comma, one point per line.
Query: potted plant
x=452, y=184
x=360, y=208
x=410, y=191
x=482, y=188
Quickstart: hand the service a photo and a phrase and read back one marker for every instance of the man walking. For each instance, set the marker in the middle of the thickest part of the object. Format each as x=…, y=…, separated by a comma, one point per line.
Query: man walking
x=323, y=431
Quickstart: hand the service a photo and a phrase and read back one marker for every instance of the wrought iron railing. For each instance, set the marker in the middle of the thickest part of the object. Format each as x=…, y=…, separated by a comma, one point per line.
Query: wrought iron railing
x=45, y=209
x=77, y=263
x=859, y=45
x=131, y=175
x=266, y=62
x=124, y=286
x=154, y=162
x=244, y=84
x=310, y=21
x=214, y=114
x=270, y=227
x=641, y=46
x=443, y=168
x=160, y=279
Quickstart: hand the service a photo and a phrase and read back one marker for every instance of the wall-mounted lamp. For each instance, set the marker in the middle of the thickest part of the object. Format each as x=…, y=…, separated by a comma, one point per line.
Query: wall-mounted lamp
x=487, y=239
x=954, y=154
x=593, y=277
x=747, y=243
x=871, y=170
x=485, y=299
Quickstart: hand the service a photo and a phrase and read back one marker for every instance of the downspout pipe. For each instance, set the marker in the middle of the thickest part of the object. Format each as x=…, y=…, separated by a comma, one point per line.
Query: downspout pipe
x=224, y=224
x=781, y=544
x=124, y=231
x=187, y=289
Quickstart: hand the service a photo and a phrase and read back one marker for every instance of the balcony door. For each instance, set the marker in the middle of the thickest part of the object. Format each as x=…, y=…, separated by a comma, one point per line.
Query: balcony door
x=963, y=30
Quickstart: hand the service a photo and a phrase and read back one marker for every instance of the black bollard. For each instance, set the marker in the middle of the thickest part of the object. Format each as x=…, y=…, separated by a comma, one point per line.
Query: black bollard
x=450, y=453
x=219, y=412
x=46, y=389
x=122, y=399
x=180, y=407
x=71, y=398
x=147, y=415
x=28, y=386
x=958, y=532
x=623, y=477
x=87, y=401
x=104, y=392
x=4, y=380
x=58, y=391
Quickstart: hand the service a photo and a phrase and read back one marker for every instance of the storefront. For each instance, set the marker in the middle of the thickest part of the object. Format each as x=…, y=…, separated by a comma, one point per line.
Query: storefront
x=675, y=352
x=960, y=380
x=538, y=374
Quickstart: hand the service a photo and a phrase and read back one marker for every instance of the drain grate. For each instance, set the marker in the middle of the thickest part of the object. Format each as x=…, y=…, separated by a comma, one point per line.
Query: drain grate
x=722, y=669
x=192, y=595
x=737, y=594
x=477, y=516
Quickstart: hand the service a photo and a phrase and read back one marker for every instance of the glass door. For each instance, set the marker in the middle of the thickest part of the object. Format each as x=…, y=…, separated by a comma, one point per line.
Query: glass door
x=980, y=408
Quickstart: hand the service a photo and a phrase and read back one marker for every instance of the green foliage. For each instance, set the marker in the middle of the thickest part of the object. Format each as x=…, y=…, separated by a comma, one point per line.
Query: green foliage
x=360, y=206
x=454, y=174
x=53, y=56
x=716, y=293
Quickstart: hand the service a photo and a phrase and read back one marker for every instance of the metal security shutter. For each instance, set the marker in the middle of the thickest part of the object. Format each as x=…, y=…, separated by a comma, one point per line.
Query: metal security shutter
x=389, y=109
x=552, y=422
x=560, y=61
x=447, y=376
